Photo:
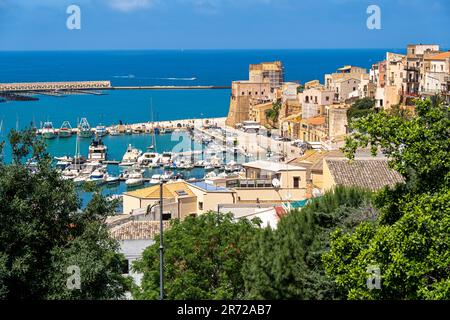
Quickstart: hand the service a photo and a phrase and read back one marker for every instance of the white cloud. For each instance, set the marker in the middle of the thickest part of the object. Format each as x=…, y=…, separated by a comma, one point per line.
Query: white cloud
x=131, y=5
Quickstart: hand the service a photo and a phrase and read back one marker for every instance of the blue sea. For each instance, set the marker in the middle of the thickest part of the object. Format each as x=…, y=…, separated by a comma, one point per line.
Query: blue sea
x=134, y=68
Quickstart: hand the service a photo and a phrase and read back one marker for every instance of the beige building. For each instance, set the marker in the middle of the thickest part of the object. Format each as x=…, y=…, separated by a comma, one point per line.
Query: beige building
x=346, y=82
x=209, y=196
x=436, y=77
x=314, y=100
x=270, y=182
x=337, y=121
x=244, y=94
x=257, y=113
x=267, y=72
x=178, y=199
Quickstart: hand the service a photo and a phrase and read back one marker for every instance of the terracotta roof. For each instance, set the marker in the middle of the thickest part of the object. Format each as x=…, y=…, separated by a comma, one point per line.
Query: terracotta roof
x=137, y=230
x=170, y=190
x=316, y=121
x=441, y=56
x=372, y=174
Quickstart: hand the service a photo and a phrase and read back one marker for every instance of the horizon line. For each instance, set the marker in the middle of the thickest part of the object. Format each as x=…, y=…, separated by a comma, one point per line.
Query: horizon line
x=199, y=49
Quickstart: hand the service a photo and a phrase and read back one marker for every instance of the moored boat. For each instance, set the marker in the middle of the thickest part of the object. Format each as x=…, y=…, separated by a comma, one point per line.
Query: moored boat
x=48, y=132
x=131, y=156
x=100, y=131
x=97, y=150
x=66, y=130
x=84, y=129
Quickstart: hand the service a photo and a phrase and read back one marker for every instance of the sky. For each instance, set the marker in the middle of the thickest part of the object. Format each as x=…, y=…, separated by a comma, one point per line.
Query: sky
x=221, y=24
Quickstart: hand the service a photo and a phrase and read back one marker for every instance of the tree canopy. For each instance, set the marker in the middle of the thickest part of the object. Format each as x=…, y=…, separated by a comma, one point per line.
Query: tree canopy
x=203, y=259
x=361, y=108
x=410, y=242
x=43, y=232
x=286, y=263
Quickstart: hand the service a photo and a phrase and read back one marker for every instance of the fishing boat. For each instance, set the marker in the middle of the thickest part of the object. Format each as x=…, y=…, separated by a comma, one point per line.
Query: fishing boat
x=134, y=179
x=48, y=132
x=100, y=130
x=84, y=129
x=66, y=130
x=97, y=150
x=131, y=156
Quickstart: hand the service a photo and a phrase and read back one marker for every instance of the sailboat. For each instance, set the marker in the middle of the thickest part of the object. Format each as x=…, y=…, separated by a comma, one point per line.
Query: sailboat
x=152, y=146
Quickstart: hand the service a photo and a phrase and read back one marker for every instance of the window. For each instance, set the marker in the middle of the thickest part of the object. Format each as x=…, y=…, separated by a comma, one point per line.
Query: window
x=327, y=98
x=354, y=88
x=181, y=193
x=200, y=205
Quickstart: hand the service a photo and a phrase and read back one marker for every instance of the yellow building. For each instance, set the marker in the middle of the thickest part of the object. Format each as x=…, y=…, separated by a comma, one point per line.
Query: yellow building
x=313, y=129
x=209, y=196
x=257, y=113
x=178, y=199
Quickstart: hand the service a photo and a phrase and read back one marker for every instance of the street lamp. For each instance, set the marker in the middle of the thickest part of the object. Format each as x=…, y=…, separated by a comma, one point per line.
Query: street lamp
x=161, y=242
x=161, y=239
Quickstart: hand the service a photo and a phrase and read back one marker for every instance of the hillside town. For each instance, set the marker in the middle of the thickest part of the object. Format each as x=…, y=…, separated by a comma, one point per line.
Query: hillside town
x=301, y=128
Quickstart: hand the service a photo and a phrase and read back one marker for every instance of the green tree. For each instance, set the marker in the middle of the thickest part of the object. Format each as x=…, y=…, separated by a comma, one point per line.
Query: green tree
x=361, y=108
x=43, y=232
x=203, y=259
x=286, y=263
x=273, y=113
x=410, y=242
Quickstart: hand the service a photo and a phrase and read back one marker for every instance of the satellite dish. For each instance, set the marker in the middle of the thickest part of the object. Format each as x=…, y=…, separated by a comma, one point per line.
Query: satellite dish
x=276, y=183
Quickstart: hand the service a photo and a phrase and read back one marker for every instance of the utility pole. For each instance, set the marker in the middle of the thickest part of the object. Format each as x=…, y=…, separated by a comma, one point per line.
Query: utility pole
x=161, y=243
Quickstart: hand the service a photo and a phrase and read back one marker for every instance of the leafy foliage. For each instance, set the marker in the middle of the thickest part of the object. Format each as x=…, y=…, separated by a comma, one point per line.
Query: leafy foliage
x=410, y=242
x=43, y=231
x=361, y=108
x=286, y=263
x=273, y=113
x=203, y=259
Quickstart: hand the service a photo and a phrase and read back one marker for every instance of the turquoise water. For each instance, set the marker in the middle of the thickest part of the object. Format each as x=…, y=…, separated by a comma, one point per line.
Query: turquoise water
x=123, y=68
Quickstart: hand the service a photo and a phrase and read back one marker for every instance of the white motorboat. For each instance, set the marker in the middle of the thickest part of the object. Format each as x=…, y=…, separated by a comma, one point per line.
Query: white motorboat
x=134, y=179
x=64, y=158
x=112, y=179
x=155, y=179
x=97, y=176
x=131, y=156
x=150, y=159
x=97, y=150
x=166, y=157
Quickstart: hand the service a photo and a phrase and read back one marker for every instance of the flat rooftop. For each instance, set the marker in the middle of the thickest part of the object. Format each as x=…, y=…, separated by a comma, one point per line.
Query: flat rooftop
x=208, y=187
x=272, y=166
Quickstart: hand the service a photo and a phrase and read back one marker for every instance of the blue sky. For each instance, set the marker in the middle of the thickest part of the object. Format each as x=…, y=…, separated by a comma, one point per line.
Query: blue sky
x=221, y=24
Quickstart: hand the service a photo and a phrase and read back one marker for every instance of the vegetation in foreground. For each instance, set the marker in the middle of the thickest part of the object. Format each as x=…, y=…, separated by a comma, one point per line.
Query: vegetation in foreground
x=44, y=236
